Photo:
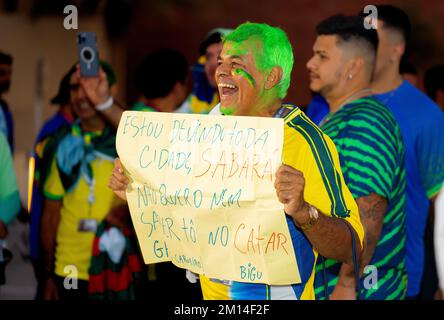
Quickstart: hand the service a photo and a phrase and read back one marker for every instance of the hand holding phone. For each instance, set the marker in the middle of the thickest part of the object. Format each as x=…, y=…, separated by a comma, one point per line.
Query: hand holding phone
x=96, y=88
x=88, y=54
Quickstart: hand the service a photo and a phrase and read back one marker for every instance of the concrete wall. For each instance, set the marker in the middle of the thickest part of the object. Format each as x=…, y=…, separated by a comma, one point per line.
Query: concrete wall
x=180, y=25
x=183, y=25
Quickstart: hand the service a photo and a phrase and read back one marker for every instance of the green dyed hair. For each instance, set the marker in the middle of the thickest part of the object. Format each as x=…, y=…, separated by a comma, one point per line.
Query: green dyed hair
x=276, y=50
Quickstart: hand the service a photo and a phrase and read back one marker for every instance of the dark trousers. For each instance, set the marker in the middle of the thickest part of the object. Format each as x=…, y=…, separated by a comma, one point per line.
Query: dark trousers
x=170, y=284
x=72, y=294
x=39, y=273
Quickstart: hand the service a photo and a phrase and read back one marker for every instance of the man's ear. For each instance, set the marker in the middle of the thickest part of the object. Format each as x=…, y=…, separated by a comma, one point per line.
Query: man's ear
x=354, y=67
x=397, y=52
x=274, y=77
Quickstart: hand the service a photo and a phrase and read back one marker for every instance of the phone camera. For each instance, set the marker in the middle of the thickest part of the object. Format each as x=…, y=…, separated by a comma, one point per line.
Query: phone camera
x=87, y=55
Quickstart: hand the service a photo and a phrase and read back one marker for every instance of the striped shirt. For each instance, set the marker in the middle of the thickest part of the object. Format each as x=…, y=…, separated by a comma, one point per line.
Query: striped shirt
x=371, y=152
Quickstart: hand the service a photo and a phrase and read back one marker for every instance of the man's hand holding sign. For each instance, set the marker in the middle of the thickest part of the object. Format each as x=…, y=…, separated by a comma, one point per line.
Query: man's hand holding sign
x=256, y=211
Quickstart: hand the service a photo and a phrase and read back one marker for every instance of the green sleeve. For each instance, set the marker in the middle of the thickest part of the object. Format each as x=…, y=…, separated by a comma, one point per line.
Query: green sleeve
x=9, y=194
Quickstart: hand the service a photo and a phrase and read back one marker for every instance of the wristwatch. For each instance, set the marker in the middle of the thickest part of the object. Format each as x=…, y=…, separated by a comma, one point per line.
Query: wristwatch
x=314, y=215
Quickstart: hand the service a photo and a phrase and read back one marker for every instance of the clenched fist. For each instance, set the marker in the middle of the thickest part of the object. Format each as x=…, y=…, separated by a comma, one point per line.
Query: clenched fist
x=290, y=185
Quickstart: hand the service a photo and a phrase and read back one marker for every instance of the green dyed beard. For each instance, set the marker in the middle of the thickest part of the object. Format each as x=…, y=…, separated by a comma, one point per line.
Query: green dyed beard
x=228, y=111
x=266, y=100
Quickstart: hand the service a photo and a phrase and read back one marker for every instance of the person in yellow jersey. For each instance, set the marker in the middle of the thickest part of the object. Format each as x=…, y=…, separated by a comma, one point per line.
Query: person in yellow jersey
x=76, y=198
x=253, y=77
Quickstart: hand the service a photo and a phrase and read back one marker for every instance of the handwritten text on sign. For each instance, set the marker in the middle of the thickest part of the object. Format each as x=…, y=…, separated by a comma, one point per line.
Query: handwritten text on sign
x=202, y=196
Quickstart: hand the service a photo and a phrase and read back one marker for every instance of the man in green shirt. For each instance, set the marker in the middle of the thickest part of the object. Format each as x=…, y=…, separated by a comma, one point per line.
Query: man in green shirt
x=371, y=153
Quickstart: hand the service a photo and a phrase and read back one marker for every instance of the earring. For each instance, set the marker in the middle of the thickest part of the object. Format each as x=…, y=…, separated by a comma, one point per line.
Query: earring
x=350, y=76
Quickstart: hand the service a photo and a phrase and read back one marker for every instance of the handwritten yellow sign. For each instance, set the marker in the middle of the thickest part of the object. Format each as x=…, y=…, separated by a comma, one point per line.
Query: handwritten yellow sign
x=201, y=194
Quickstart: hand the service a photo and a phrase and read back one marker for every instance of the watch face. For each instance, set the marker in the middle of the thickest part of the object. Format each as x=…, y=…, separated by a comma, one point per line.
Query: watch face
x=314, y=215
x=313, y=212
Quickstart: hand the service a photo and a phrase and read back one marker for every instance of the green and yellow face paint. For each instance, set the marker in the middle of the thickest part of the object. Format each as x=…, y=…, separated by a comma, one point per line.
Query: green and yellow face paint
x=228, y=111
x=264, y=97
x=246, y=75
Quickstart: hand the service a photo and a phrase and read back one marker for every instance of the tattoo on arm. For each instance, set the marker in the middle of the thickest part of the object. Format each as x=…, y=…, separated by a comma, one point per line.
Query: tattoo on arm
x=372, y=209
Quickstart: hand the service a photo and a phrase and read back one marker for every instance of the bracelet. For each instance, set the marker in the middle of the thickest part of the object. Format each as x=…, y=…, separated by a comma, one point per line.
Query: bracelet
x=106, y=105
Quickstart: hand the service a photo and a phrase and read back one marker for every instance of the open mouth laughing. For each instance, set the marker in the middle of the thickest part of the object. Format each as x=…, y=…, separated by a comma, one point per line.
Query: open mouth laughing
x=227, y=90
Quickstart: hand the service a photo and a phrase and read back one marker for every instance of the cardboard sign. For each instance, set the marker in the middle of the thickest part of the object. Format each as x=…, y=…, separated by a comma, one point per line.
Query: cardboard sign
x=201, y=194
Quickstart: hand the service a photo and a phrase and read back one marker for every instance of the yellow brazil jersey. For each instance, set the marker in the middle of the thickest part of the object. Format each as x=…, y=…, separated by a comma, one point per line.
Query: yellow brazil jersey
x=74, y=247
x=307, y=149
x=200, y=106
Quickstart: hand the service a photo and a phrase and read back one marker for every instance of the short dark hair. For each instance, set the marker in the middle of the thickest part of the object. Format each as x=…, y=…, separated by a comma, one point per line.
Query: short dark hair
x=395, y=18
x=64, y=94
x=351, y=30
x=5, y=58
x=347, y=29
x=213, y=38
x=434, y=80
x=159, y=71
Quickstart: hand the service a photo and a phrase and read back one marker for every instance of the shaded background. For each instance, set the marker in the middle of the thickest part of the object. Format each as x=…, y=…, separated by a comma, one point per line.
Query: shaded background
x=32, y=31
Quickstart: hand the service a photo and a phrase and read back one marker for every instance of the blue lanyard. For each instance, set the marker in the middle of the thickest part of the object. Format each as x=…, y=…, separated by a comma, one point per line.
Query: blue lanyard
x=280, y=113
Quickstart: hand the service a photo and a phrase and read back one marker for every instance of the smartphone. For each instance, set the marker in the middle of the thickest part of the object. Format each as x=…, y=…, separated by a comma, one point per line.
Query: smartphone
x=88, y=54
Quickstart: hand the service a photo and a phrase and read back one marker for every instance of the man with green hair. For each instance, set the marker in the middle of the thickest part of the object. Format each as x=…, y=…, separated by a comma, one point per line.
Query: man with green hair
x=253, y=77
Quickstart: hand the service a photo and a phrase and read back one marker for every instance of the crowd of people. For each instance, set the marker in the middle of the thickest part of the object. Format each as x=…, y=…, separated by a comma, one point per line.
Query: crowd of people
x=362, y=167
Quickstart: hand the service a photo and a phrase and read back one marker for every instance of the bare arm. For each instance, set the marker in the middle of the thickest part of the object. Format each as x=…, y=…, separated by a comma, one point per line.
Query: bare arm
x=113, y=115
x=372, y=209
x=49, y=225
x=119, y=216
x=329, y=236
